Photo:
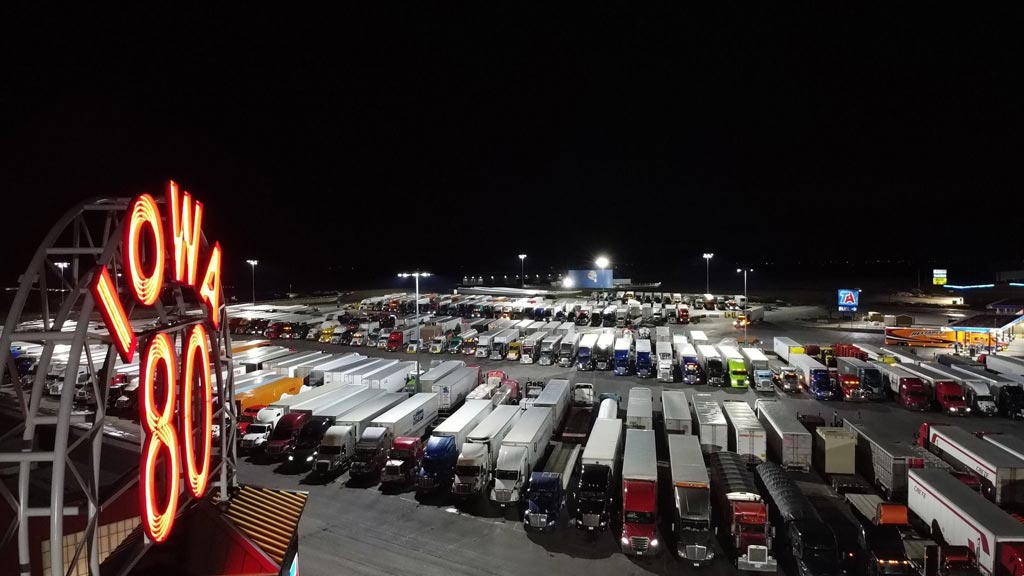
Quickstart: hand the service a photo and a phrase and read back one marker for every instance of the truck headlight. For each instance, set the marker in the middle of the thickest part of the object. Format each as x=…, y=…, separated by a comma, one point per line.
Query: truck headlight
x=967, y=409
x=654, y=543
x=309, y=458
x=625, y=541
x=290, y=458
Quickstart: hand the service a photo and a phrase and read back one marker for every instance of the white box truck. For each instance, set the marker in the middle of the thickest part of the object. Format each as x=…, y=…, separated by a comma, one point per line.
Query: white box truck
x=965, y=518
x=712, y=429
x=746, y=434
x=427, y=380
x=757, y=369
x=676, y=410
x=640, y=409
x=453, y=388
x=479, y=455
x=789, y=440
x=520, y=451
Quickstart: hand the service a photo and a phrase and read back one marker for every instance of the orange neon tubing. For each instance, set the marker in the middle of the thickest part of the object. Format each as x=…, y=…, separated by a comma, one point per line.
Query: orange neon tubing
x=104, y=293
x=186, y=230
x=197, y=351
x=143, y=213
x=158, y=423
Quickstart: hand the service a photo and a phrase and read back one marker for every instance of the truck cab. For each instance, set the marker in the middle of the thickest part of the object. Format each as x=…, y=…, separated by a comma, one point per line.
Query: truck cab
x=336, y=449
x=472, y=470
x=439, y=459
x=950, y=397
x=509, y=475
x=395, y=341
x=307, y=445
x=823, y=386
x=595, y=495
x=455, y=345
x=248, y=416
x=438, y=344
x=850, y=386
x=382, y=340
x=545, y=498
x=258, y=432
x=786, y=377
x=639, y=518
x=738, y=377
x=285, y=434
x=371, y=453
x=514, y=351
x=979, y=398
x=403, y=461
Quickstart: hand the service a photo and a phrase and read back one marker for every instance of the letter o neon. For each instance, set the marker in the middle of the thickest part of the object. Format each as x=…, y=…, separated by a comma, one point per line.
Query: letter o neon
x=143, y=214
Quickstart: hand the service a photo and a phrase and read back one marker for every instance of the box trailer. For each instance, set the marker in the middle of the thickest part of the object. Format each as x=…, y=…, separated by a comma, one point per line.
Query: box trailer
x=1005, y=364
x=789, y=441
x=816, y=377
x=598, y=477
x=556, y=397
x=676, y=410
x=286, y=367
x=1001, y=473
x=391, y=379
x=783, y=347
x=964, y=518
x=712, y=429
x=427, y=379
x=869, y=376
x=834, y=450
x=640, y=409
x=312, y=372
x=1010, y=443
x=698, y=338
x=306, y=397
x=265, y=391
x=1007, y=393
x=360, y=417
x=479, y=455
x=410, y=418
x=757, y=369
x=884, y=458
x=747, y=436
x=453, y=388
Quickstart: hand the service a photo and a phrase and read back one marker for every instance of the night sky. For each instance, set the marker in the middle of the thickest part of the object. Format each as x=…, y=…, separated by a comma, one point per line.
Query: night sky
x=346, y=145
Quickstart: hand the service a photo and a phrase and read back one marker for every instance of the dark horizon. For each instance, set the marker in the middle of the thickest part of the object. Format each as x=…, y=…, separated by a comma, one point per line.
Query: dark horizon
x=345, y=150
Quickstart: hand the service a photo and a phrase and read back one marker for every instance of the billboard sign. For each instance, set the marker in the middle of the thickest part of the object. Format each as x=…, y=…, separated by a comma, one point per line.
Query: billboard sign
x=848, y=300
x=583, y=279
x=939, y=276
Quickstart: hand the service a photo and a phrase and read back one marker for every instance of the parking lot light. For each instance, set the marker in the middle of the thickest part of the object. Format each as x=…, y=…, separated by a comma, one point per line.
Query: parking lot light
x=417, y=275
x=707, y=258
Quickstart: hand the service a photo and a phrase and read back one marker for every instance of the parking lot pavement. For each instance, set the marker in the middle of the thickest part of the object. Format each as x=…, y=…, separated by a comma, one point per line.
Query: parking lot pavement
x=349, y=529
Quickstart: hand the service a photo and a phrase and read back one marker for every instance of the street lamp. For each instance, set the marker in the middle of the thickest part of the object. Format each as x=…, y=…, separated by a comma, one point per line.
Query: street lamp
x=522, y=268
x=601, y=262
x=746, y=319
x=62, y=266
x=417, y=276
x=253, y=263
x=707, y=258
x=567, y=282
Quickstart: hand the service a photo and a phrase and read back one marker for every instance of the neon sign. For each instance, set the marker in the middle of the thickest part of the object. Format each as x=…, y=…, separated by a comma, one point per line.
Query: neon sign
x=168, y=426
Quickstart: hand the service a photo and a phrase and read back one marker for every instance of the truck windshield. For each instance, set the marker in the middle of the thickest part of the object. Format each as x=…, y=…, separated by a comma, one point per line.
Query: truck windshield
x=695, y=525
x=752, y=531
x=506, y=474
x=633, y=517
x=309, y=437
x=281, y=433
x=330, y=450
x=983, y=398
x=954, y=398
x=467, y=470
x=739, y=372
x=258, y=428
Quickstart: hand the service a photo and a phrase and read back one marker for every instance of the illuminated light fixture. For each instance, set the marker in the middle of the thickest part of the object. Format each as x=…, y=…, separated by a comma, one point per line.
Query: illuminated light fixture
x=197, y=355
x=209, y=290
x=602, y=262
x=186, y=229
x=157, y=422
x=970, y=287
x=114, y=317
x=143, y=214
x=567, y=282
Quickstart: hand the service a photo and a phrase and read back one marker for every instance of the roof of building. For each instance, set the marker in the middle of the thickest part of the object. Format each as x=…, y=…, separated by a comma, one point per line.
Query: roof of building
x=253, y=502
x=987, y=321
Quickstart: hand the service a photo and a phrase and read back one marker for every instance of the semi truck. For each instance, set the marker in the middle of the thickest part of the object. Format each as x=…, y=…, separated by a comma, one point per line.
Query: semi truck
x=712, y=365
x=815, y=376
x=741, y=512
x=1001, y=473
x=676, y=411
x=338, y=444
x=712, y=429
x=869, y=377
x=556, y=395
x=666, y=362
x=483, y=342
x=603, y=351
x=882, y=525
x=549, y=348
x=453, y=388
x=640, y=494
x=747, y=436
x=799, y=528
x=748, y=316
x=689, y=364
x=784, y=376
x=530, y=349
x=520, y=451
x=1009, y=365
x=907, y=389
x=788, y=439
x=1007, y=394
x=691, y=487
x=433, y=375
x=960, y=517
x=758, y=372
x=546, y=494
x=643, y=362
x=735, y=367
x=944, y=391
x=585, y=353
x=501, y=341
x=640, y=409
x=977, y=394
x=597, y=489
x=783, y=347
x=623, y=356
x=479, y=455
x=567, y=349
x=441, y=453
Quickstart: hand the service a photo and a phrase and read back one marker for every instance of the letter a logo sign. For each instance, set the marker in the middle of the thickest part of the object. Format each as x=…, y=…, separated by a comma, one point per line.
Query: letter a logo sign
x=849, y=299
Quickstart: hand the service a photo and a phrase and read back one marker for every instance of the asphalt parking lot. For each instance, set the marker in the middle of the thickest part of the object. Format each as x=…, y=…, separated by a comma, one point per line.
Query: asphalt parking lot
x=349, y=529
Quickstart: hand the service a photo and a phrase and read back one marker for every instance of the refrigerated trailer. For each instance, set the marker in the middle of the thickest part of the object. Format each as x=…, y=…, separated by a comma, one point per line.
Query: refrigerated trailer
x=640, y=409
x=712, y=429
x=410, y=418
x=960, y=517
x=789, y=440
x=1005, y=364
x=676, y=411
x=452, y=389
x=599, y=475
x=884, y=459
x=479, y=456
x=747, y=436
x=783, y=347
x=520, y=451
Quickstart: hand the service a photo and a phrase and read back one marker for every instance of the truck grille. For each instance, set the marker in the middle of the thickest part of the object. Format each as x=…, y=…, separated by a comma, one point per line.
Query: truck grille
x=502, y=495
x=462, y=488
x=591, y=520
x=640, y=544
x=537, y=521
x=322, y=466
x=247, y=443
x=425, y=483
x=695, y=552
x=757, y=554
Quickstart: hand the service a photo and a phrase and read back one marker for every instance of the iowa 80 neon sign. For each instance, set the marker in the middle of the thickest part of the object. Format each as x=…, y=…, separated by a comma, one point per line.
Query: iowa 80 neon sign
x=167, y=423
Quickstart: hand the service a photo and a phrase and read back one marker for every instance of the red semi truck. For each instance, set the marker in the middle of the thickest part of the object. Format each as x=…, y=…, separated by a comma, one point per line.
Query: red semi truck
x=946, y=393
x=908, y=390
x=640, y=495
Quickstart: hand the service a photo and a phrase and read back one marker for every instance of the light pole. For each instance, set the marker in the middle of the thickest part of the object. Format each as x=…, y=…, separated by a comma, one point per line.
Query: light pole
x=253, y=263
x=602, y=262
x=746, y=320
x=522, y=268
x=707, y=258
x=416, y=276
x=62, y=266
